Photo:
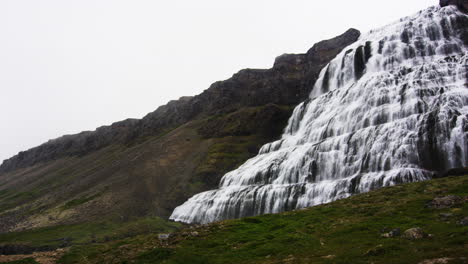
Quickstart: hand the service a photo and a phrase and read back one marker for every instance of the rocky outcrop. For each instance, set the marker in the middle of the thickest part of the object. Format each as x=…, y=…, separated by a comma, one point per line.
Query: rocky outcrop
x=461, y=4
x=287, y=83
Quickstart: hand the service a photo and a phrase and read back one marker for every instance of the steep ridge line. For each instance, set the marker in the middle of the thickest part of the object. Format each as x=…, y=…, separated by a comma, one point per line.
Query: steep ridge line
x=287, y=83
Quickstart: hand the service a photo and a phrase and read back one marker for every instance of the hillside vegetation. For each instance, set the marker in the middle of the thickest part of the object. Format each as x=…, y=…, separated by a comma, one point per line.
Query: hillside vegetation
x=352, y=230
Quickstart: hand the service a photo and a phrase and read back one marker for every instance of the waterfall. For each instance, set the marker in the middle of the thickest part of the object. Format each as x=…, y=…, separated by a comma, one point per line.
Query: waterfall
x=391, y=108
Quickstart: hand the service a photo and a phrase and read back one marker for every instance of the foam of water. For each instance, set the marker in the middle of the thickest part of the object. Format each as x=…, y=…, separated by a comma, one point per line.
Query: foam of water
x=391, y=108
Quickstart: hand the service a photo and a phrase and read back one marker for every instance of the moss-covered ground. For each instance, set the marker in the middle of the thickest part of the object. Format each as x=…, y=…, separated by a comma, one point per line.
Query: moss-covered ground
x=345, y=231
x=87, y=233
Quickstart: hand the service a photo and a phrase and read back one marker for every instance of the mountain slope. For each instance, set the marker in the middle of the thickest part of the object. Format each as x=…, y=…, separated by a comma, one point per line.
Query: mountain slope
x=147, y=167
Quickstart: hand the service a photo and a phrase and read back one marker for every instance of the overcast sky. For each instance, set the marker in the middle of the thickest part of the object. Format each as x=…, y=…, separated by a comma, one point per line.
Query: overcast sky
x=68, y=66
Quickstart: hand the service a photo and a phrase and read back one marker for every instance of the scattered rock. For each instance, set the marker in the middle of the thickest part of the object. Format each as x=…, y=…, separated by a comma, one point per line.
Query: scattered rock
x=329, y=257
x=414, y=233
x=289, y=259
x=384, y=230
x=445, y=202
x=163, y=236
x=195, y=233
x=464, y=221
x=446, y=215
x=322, y=242
x=436, y=261
x=393, y=233
x=378, y=250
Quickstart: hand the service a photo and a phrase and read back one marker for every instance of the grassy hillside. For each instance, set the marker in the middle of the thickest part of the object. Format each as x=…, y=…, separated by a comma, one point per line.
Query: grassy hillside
x=86, y=233
x=346, y=231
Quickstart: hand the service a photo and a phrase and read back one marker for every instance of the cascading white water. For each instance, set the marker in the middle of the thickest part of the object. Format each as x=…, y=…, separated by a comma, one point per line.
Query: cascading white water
x=391, y=108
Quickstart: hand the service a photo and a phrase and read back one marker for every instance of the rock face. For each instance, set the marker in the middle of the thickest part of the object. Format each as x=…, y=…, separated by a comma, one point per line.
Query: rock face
x=461, y=4
x=288, y=83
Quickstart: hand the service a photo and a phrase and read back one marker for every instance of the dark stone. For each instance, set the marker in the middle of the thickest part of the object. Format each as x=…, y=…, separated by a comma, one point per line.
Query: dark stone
x=393, y=233
x=453, y=172
x=368, y=51
x=326, y=81
x=405, y=36
x=464, y=221
x=359, y=62
x=461, y=4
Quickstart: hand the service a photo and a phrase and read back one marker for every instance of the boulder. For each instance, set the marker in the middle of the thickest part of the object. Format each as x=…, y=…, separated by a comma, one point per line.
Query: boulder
x=445, y=202
x=414, y=234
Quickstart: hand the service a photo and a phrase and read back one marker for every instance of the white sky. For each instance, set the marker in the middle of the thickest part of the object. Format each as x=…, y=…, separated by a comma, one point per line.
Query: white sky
x=73, y=65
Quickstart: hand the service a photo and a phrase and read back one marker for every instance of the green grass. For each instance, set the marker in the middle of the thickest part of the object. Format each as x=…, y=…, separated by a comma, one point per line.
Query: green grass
x=10, y=199
x=79, y=201
x=340, y=232
x=4, y=193
x=85, y=233
x=55, y=180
